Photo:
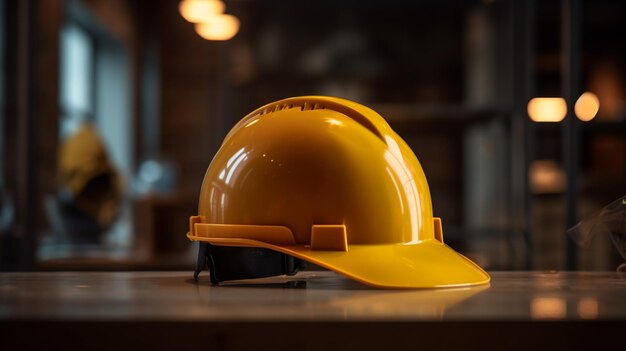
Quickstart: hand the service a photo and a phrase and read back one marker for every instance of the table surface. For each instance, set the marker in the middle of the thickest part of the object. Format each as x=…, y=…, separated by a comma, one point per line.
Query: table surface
x=308, y=296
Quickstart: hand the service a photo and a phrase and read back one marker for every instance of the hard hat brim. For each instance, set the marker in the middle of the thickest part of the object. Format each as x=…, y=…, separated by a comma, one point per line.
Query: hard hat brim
x=426, y=264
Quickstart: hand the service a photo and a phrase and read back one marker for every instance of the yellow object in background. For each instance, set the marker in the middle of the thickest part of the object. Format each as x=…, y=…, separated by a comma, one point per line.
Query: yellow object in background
x=86, y=174
x=328, y=181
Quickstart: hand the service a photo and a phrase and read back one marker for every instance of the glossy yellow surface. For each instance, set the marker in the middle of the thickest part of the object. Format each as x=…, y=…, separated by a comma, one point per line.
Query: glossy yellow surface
x=87, y=174
x=315, y=160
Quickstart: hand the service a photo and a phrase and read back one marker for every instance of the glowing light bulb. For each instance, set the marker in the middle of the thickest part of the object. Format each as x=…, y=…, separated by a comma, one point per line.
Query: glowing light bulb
x=196, y=11
x=587, y=106
x=218, y=27
x=547, y=109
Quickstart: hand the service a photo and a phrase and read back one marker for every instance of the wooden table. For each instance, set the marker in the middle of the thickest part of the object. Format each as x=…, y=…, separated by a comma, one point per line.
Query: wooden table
x=314, y=310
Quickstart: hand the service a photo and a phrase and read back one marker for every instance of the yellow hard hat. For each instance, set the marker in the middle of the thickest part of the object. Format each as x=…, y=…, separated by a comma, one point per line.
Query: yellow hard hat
x=325, y=180
x=87, y=175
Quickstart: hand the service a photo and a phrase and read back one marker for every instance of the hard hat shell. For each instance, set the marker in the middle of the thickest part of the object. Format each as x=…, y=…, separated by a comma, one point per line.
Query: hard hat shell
x=328, y=181
x=88, y=176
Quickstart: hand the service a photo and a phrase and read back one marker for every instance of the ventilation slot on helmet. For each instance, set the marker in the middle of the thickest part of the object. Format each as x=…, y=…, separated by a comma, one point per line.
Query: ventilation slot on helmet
x=319, y=103
x=307, y=106
x=274, y=108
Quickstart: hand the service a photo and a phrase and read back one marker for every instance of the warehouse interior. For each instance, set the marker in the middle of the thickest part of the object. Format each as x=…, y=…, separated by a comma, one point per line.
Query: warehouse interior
x=136, y=87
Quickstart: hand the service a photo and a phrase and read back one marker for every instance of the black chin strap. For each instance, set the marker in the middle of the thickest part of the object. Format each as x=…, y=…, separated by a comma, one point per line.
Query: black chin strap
x=234, y=263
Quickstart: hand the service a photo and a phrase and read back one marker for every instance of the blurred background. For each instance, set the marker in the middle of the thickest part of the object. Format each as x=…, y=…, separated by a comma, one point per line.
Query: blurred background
x=111, y=111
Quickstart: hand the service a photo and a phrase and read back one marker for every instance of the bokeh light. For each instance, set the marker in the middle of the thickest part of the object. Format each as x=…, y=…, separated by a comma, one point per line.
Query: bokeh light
x=547, y=109
x=219, y=27
x=587, y=106
x=196, y=11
